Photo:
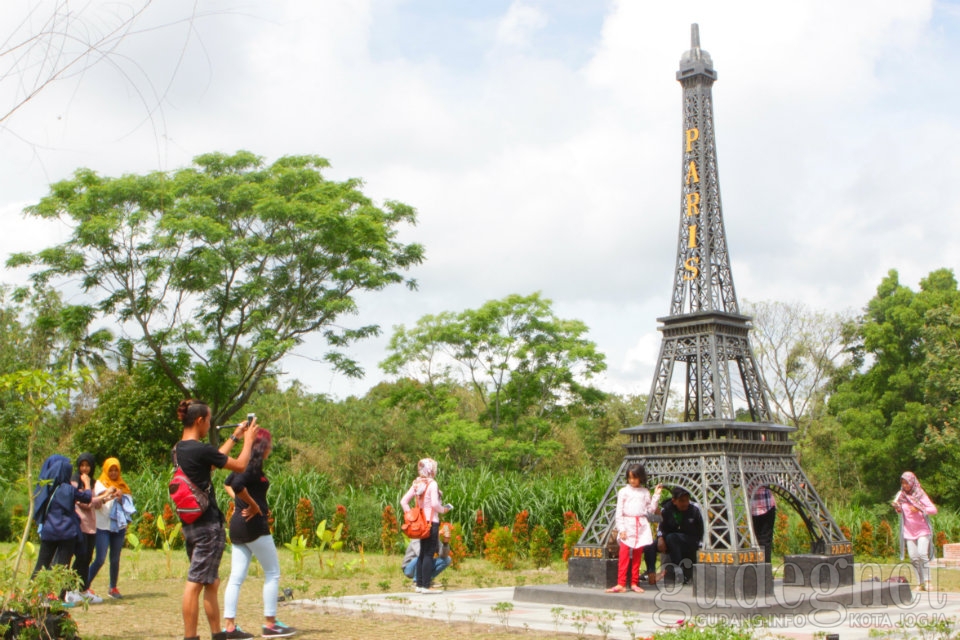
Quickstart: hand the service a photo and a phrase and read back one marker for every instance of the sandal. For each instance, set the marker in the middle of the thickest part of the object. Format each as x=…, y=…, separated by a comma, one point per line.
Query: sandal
x=637, y=588
x=617, y=589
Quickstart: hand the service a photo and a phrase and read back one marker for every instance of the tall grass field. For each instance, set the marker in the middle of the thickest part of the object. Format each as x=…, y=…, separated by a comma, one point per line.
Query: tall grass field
x=499, y=495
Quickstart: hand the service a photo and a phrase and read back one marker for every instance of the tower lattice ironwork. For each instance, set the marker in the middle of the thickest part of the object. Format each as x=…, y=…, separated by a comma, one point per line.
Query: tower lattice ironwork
x=719, y=460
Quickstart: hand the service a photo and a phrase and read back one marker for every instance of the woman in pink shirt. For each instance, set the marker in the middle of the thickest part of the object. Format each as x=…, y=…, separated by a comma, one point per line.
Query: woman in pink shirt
x=914, y=506
x=425, y=488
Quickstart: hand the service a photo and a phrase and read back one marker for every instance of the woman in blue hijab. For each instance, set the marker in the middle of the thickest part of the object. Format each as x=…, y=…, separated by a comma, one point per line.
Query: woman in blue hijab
x=54, y=510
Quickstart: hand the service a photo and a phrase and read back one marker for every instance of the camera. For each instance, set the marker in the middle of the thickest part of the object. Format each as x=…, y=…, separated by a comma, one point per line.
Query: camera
x=250, y=418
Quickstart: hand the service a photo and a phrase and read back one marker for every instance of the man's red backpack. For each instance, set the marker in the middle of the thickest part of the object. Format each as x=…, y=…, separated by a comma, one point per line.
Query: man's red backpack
x=189, y=499
x=415, y=525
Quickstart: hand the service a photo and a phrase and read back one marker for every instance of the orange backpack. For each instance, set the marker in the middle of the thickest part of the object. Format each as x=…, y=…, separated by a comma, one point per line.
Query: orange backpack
x=415, y=525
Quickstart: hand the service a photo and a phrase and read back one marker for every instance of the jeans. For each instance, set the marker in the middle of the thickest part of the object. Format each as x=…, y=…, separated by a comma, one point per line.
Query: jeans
x=81, y=562
x=113, y=540
x=919, y=552
x=439, y=564
x=266, y=552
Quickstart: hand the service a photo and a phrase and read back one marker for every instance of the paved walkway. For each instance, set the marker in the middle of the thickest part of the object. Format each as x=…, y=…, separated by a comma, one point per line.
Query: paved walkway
x=497, y=608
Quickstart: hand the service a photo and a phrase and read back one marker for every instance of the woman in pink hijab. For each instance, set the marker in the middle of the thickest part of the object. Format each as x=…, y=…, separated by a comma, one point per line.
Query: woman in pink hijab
x=916, y=534
x=425, y=489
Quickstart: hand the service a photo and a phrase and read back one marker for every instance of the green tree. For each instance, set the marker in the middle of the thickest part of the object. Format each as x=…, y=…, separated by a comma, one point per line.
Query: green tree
x=217, y=271
x=38, y=332
x=133, y=420
x=891, y=398
x=40, y=392
x=527, y=367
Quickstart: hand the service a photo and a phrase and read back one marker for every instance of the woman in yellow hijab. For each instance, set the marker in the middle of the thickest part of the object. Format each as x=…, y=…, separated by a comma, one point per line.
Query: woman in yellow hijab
x=110, y=487
x=110, y=476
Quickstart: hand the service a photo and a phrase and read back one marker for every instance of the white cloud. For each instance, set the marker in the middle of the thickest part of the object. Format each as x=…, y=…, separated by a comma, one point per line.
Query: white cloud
x=835, y=130
x=516, y=26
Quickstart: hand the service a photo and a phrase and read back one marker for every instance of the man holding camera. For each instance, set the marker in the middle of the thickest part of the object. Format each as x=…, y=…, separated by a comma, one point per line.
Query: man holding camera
x=206, y=537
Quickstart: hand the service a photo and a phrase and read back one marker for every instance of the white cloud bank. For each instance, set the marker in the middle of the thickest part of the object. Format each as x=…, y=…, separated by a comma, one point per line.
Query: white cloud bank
x=537, y=167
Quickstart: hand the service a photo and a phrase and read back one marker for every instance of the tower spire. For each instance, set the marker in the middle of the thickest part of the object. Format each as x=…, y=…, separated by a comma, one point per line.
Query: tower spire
x=704, y=330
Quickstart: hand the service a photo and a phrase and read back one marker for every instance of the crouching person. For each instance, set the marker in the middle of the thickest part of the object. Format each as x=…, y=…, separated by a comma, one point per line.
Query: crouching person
x=440, y=561
x=682, y=529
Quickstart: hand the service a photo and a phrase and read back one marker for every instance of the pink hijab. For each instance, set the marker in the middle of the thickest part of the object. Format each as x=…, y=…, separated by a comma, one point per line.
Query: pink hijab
x=427, y=469
x=914, y=493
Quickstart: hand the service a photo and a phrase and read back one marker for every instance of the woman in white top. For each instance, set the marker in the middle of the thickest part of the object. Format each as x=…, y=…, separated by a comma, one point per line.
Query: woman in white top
x=634, y=502
x=110, y=481
x=425, y=488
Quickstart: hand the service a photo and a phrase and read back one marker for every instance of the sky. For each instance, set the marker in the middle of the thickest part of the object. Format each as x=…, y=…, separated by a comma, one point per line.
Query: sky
x=539, y=141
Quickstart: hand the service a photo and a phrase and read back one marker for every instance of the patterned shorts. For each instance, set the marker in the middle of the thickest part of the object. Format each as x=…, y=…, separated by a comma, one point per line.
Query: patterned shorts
x=205, y=544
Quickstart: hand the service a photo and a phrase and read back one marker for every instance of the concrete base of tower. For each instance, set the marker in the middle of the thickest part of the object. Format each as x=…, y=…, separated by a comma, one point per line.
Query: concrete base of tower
x=733, y=582
x=821, y=572
x=592, y=573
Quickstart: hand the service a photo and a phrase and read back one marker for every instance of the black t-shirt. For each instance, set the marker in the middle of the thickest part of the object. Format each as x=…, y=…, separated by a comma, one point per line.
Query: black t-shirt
x=196, y=458
x=256, y=484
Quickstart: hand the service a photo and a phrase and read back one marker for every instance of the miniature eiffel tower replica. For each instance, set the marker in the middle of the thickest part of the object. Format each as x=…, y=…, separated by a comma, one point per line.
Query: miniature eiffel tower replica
x=719, y=460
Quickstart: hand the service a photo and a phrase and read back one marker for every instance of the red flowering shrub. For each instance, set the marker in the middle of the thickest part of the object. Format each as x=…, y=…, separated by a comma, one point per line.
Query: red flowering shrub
x=340, y=517
x=939, y=540
x=479, y=533
x=540, y=551
x=885, y=539
x=303, y=520
x=389, y=530
x=170, y=520
x=781, y=535
x=863, y=544
x=521, y=531
x=572, y=530
x=500, y=548
x=458, y=548
x=147, y=531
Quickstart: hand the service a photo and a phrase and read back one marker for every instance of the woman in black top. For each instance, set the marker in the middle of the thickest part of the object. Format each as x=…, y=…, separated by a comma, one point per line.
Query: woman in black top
x=250, y=535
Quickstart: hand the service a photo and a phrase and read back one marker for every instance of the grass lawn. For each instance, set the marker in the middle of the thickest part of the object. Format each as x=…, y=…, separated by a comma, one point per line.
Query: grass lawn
x=152, y=591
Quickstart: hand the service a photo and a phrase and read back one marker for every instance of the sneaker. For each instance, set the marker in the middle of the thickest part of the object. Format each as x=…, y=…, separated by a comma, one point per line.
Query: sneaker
x=431, y=590
x=73, y=597
x=114, y=593
x=277, y=630
x=91, y=597
x=237, y=634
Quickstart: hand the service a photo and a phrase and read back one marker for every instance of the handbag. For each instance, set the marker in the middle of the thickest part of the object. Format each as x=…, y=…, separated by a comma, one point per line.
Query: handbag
x=415, y=525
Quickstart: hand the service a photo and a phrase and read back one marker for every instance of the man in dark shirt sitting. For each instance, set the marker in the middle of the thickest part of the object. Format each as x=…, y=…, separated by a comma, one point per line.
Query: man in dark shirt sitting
x=682, y=530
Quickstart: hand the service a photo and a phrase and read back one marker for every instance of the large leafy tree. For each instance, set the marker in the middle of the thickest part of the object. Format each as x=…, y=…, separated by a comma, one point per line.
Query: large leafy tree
x=897, y=405
x=214, y=272
x=528, y=368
